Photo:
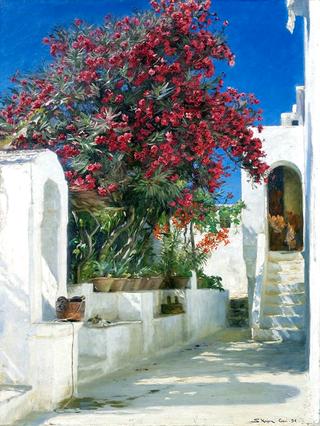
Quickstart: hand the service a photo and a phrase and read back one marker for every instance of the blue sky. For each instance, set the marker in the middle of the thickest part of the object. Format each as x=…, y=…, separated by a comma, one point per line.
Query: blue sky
x=269, y=60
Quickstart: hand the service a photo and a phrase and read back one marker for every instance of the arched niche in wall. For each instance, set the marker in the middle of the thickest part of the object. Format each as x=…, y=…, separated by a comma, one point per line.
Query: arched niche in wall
x=285, y=209
x=50, y=226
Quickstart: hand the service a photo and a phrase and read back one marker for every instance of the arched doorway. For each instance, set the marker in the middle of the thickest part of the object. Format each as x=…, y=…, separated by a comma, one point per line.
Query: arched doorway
x=285, y=210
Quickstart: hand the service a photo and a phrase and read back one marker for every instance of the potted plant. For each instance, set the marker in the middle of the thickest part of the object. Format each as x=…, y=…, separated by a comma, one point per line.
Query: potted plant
x=181, y=276
x=133, y=283
x=151, y=278
x=209, y=281
x=102, y=281
x=112, y=276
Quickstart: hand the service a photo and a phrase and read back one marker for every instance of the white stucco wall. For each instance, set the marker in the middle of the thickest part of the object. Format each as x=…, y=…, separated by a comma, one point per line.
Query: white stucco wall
x=310, y=9
x=138, y=330
x=227, y=261
x=284, y=145
x=34, y=350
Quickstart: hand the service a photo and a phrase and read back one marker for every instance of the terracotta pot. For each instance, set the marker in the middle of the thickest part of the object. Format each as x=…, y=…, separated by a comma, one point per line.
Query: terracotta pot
x=102, y=284
x=132, y=284
x=180, y=282
x=137, y=284
x=70, y=309
x=118, y=284
x=156, y=282
x=152, y=283
x=145, y=283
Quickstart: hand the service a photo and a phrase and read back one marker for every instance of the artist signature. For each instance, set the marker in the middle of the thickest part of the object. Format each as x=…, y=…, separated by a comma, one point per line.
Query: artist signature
x=269, y=421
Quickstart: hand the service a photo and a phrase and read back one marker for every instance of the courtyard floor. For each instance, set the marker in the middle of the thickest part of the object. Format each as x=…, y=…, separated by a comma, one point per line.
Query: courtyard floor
x=225, y=380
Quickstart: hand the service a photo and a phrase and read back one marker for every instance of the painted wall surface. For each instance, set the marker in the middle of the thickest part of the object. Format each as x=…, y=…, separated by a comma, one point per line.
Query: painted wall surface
x=310, y=9
x=227, y=261
x=284, y=146
x=138, y=329
x=34, y=350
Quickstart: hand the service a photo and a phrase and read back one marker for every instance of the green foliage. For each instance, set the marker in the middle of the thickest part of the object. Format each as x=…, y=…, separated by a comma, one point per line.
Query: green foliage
x=154, y=193
x=231, y=213
x=112, y=269
x=175, y=256
x=211, y=281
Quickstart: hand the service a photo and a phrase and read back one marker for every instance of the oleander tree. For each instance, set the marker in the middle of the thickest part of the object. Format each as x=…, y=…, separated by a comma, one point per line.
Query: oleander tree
x=136, y=111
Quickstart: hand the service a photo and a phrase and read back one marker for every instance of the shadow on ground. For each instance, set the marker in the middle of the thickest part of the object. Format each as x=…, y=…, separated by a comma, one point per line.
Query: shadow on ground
x=227, y=370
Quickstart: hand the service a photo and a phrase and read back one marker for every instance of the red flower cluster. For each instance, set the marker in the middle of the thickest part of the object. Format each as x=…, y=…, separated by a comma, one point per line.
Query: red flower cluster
x=160, y=230
x=140, y=90
x=211, y=240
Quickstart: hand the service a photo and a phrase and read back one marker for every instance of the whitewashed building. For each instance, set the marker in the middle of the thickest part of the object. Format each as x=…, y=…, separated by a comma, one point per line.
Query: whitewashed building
x=283, y=268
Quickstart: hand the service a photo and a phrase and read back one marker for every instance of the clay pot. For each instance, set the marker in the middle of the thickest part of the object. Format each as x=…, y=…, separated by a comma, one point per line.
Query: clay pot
x=145, y=283
x=118, y=284
x=132, y=284
x=151, y=283
x=156, y=282
x=70, y=309
x=102, y=284
x=180, y=282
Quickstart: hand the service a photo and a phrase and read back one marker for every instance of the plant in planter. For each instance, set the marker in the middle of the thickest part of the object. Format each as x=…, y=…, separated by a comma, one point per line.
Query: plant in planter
x=209, y=281
x=181, y=275
x=151, y=277
x=133, y=106
x=111, y=276
x=174, y=264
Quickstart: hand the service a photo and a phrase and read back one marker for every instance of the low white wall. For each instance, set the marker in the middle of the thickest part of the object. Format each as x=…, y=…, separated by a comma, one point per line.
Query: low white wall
x=206, y=312
x=53, y=362
x=138, y=329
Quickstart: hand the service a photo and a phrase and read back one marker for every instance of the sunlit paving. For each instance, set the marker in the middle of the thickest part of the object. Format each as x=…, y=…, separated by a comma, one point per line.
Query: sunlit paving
x=186, y=386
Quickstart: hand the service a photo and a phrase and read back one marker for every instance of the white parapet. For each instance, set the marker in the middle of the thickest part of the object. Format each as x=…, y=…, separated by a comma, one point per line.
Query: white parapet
x=133, y=327
x=35, y=350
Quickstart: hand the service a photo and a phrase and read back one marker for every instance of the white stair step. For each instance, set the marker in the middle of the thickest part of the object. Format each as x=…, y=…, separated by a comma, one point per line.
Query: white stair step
x=276, y=268
x=285, y=277
x=285, y=255
x=286, y=266
x=280, y=321
x=284, y=299
x=294, y=288
x=284, y=310
x=262, y=335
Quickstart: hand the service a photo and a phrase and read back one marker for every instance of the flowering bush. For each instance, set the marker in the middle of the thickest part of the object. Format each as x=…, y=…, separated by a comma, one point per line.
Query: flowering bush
x=135, y=110
x=136, y=97
x=181, y=252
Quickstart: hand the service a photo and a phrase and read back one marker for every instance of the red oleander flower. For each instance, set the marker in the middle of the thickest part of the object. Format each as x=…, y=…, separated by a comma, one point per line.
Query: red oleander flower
x=138, y=97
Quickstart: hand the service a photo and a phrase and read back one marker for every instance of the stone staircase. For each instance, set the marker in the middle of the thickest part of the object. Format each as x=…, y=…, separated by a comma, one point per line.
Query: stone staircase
x=238, y=312
x=283, y=299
